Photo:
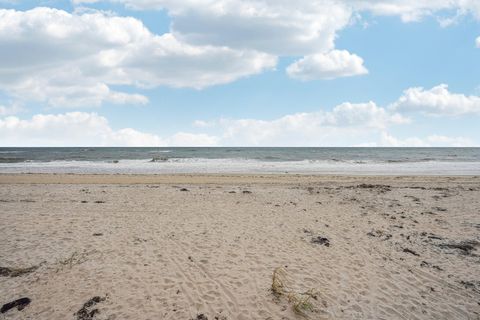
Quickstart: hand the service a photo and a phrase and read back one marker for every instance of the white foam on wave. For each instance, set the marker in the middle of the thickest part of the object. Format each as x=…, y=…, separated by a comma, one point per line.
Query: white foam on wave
x=200, y=165
x=160, y=151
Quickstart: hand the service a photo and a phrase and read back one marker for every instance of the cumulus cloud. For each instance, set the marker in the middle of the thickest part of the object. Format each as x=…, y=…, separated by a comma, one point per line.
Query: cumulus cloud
x=330, y=65
x=285, y=28
x=387, y=140
x=407, y=10
x=436, y=101
x=275, y=26
x=350, y=124
x=346, y=122
x=10, y=110
x=73, y=59
x=202, y=124
x=84, y=129
x=477, y=42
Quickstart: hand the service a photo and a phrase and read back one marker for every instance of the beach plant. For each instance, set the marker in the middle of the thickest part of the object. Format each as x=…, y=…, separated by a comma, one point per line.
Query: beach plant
x=278, y=282
x=74, y=259
x=300, y=301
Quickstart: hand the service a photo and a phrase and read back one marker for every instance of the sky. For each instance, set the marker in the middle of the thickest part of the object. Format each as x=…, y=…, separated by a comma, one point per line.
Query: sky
x=387, y=73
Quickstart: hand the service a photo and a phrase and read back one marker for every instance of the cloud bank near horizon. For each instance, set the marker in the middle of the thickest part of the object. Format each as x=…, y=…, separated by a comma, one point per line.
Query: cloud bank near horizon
x=348, y=124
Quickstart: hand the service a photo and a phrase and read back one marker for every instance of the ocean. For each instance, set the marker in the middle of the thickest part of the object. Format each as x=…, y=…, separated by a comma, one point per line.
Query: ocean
x=382, y=161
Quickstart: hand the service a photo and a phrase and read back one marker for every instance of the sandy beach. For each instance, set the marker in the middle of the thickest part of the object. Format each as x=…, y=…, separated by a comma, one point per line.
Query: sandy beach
x=207, y=247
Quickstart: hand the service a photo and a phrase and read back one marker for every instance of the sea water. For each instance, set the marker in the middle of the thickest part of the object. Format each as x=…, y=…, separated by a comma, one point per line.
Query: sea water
x=401, y=161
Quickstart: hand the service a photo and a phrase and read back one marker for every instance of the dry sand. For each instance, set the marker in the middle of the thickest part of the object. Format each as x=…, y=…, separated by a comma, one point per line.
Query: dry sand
x=198, y=247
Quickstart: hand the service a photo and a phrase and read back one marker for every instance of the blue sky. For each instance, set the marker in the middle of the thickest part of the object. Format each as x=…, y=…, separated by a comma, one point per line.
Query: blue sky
x=245, y=73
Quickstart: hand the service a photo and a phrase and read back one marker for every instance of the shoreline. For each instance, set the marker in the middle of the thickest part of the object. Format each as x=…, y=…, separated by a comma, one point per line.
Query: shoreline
x=221, y=178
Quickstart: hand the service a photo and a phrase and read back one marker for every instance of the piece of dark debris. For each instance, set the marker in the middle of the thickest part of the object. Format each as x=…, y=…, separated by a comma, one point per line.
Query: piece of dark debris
x=421, y=188
x=246, y=192
x=379, y=234
x=184, y=189
x=98, y=234
x=138, y=240
x=411, y=252
x=465, y=247
x=88, y=311
x=232, y=191
x=20, y=304
x=311, y=190
x=321, y=241
x=473, y=285
x=16, y=272
x=415, y=199
x=439, y=189
x=201, y=316
x=99, y=201
x=426, y=264
x=380, y=187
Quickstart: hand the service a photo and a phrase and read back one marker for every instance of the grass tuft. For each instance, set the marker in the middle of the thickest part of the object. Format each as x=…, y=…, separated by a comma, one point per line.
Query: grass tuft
x=278, y=281
x=301, y=301
x=74, y=259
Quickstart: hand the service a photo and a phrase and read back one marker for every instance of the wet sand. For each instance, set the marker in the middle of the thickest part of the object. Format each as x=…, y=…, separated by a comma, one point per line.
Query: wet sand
x=206, y=246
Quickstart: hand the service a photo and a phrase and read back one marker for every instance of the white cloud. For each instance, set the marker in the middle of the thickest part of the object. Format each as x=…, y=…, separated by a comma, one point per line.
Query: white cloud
x=364, y=114
x=477, y=42
x=70, y=94
x=291, y=28
x=279, y=27
x=82, y=59
x=84, y=129
x=167, y=61
x=407, y=10
x=345, y=123
x=436, y=101
x=348, y=124
x=387, y=140
x=10, y=110
x=203, y=124
x=330, y=65
x=65, y=59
